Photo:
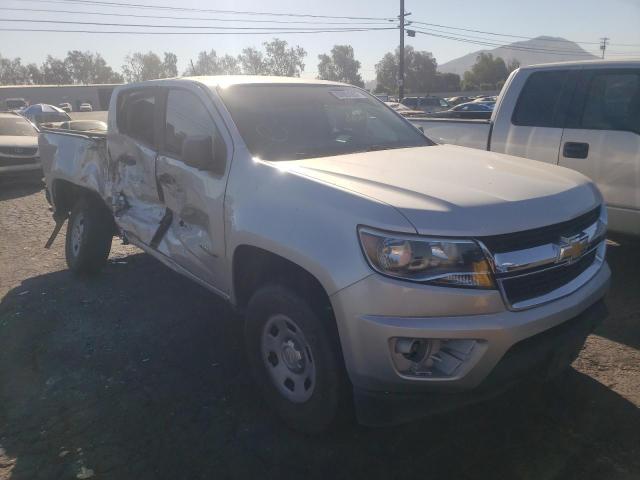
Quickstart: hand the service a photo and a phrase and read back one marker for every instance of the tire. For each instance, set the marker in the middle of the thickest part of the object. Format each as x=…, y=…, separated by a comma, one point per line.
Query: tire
x=89, y=234
x=287, y=339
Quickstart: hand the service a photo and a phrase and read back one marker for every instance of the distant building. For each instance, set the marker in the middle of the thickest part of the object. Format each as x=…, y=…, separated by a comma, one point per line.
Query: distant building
x=97, y=95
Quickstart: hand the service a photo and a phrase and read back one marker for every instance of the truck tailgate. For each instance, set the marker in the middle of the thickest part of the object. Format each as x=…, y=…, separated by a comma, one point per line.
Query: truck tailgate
x=467, y=133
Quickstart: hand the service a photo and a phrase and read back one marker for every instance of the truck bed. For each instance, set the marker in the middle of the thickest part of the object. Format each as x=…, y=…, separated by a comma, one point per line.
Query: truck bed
x=77, y=157
x=467, y=133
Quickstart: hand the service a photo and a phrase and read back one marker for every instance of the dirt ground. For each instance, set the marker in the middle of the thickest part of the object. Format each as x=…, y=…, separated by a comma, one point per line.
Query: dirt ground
x=140, y=374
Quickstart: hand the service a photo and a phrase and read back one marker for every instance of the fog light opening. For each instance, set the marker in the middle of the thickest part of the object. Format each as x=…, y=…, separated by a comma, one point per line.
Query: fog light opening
x=430, y=357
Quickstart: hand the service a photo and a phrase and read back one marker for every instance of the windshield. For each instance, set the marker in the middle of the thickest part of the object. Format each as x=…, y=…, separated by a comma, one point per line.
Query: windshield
x=17, y=127
x=288, y=122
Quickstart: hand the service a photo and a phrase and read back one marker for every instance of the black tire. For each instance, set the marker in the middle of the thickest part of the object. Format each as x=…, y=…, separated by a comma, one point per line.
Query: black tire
x=87, y=251
x=330, y=403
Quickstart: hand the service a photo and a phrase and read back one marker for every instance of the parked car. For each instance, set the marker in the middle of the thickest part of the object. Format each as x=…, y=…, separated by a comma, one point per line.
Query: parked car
x=43, y=113
x=66, y=106
x=471, y=110
x=580, y=115
x=15, y=104
x=371, y=265
x=486, y=98
x=404, y=110
x=85, y=107
x=426, y=104
x=453, y=101
x=84, y=125
x=18, y=146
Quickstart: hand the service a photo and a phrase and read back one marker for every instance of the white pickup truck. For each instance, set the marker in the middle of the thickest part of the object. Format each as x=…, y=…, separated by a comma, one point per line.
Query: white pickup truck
x=580, y=115
x=373, y=267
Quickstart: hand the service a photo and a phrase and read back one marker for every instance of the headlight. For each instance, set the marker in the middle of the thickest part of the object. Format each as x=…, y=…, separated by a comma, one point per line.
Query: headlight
x=438, y=261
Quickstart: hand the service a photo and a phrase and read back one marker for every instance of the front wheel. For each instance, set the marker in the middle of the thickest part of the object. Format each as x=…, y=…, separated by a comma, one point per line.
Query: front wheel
x=296, y=360
x=89, y=236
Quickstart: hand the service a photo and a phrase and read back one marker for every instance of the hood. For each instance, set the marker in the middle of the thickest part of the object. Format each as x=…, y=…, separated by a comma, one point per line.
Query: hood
x=452, y=190
x=19, y=141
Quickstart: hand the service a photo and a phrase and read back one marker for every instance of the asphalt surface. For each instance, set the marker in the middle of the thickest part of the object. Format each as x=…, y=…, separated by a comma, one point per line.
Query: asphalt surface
x=139, y=373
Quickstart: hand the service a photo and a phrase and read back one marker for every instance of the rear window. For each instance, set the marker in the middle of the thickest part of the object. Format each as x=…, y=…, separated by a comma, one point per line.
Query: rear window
x=136, y=113
x=613, y=102
x=538, y=105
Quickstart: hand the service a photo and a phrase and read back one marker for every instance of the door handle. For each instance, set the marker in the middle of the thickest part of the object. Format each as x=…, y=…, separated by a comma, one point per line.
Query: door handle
x=575, y=150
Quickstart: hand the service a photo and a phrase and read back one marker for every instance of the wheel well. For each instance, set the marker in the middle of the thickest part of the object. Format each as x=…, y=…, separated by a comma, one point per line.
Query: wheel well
x=254, y=267
x=65, y=195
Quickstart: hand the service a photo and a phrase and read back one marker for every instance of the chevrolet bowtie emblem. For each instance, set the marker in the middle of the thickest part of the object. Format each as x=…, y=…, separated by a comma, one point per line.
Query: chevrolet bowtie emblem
x=572, y=248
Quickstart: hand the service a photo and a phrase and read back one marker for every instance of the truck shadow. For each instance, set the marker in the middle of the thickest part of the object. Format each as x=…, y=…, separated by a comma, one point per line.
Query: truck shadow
x=623, y=324
x=16, y=187
x=139, y=373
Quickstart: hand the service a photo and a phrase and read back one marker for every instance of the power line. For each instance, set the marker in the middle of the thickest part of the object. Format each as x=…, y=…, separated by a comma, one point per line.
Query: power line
x=145, y=25
x=205, y=10
x=129, y=32
x=557, y=40
x=169, y=17
x=492, y=41
x=509, y=47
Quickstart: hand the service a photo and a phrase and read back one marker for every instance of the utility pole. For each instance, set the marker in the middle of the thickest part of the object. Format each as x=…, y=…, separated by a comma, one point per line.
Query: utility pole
x=401, y=61
x=603, y=45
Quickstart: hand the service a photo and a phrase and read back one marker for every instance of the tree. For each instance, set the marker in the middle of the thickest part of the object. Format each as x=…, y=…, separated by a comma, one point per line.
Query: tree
x=419, y=75
x=35, y=75
x=56, y=71
x=446, y=82
x=341, y=66
x=252, y=62
x=282, y=61
x=209, y=63
x=169, y=65
x=513, y=64
x=12, y=72
x=86, y=68
x=148, y=66
x=486, y=72
x=278, y=59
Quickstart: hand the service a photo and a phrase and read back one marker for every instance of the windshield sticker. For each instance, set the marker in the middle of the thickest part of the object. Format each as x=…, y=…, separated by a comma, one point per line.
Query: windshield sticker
x=350, y=94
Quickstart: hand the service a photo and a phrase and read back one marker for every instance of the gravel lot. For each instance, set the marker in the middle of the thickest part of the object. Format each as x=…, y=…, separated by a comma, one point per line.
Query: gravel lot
x=139, y=373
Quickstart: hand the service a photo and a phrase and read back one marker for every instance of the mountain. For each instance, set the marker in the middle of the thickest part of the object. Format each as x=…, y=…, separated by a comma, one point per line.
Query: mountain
x=559, y=50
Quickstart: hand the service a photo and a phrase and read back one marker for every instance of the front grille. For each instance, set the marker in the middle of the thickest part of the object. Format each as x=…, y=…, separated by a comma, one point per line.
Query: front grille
x=526, y=287
x=540, y=236
x=12, y=162
x=18, y=150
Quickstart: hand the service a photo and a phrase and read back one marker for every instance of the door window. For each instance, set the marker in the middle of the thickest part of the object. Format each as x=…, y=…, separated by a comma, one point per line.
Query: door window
x=186, y=117
x=136, y=114
x=540, y=101
x=613, y=102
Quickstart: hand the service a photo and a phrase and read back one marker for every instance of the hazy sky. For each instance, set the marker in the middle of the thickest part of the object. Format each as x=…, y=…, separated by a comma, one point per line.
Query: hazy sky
x=584, y=20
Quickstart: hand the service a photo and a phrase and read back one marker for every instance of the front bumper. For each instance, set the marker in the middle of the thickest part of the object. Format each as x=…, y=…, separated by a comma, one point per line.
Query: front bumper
x=536, y=358
x=423, y=311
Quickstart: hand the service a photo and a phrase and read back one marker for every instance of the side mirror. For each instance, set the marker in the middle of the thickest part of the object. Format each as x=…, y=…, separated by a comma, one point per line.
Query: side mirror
x=198, y=152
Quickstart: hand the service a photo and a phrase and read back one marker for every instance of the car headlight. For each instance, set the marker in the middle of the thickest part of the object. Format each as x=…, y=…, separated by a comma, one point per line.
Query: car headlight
x=438, y=261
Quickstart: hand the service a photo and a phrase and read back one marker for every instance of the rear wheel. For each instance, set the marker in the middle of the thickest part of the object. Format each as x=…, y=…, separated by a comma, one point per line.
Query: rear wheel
x=296, y=360
x=89, y=236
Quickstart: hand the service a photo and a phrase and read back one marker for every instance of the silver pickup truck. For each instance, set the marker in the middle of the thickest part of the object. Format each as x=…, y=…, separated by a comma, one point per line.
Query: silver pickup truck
x=372, y=266
x=581, y=115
